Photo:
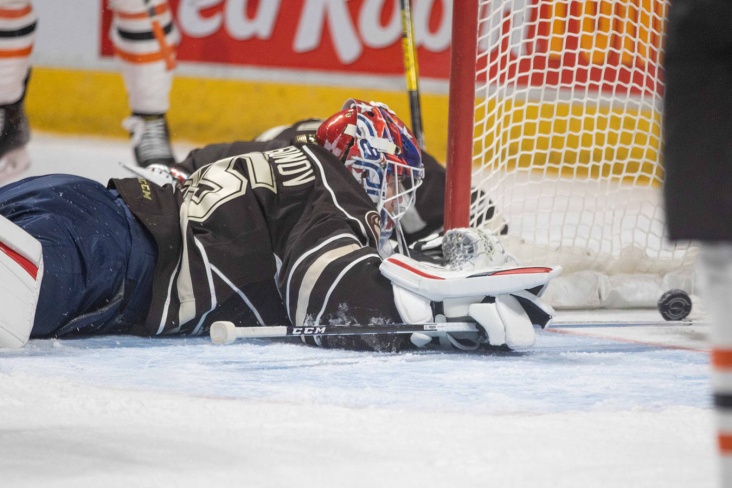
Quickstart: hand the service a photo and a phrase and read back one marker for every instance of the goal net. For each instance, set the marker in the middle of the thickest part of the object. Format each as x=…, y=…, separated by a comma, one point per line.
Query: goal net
x=566, y=101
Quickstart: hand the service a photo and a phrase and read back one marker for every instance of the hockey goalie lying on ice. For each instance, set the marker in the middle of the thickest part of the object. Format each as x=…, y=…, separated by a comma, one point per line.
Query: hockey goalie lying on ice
x=295, y=236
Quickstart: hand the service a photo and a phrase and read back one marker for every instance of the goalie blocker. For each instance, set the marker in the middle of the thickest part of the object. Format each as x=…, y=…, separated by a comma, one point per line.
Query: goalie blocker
x=504, y=301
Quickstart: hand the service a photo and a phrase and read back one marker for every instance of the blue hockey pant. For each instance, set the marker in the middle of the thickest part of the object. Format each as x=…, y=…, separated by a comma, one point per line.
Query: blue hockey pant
x=98, y=259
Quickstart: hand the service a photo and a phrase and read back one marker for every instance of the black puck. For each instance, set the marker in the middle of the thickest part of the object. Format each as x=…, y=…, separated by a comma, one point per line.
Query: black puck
x=674, y=305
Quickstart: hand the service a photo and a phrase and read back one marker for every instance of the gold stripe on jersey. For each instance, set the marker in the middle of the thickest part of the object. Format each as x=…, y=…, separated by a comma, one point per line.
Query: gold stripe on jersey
x=311, y=277
x=302, y=258
x=337, y=280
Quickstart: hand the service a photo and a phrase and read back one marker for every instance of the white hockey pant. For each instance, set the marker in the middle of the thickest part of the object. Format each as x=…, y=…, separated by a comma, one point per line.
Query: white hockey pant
x=147, y=60
x=18, y=18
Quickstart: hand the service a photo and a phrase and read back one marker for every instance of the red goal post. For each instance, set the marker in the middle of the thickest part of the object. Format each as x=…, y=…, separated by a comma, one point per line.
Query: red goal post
x=555, y=120
x=461, y=109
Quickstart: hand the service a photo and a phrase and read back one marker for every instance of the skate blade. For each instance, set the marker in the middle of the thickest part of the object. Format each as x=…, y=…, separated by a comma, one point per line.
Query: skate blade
x=13, y=163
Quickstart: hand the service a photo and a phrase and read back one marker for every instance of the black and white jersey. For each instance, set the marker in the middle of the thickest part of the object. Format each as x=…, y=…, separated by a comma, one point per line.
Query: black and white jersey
x=272, y=237
x=425, y=218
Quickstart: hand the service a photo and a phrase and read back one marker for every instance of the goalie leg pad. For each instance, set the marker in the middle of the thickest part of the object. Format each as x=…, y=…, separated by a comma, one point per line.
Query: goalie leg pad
x=21, y=272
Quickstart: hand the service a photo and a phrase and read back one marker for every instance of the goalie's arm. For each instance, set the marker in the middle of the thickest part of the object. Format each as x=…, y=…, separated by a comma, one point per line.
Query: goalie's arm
x=345, y=284
x=506, y=319
x=339, y=284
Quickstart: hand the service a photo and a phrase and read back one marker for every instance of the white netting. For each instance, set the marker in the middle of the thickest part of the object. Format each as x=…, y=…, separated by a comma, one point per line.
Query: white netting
x=567, y=134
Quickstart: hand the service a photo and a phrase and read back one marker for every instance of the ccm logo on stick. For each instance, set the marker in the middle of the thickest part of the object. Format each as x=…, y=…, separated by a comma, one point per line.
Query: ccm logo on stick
x=308, y=330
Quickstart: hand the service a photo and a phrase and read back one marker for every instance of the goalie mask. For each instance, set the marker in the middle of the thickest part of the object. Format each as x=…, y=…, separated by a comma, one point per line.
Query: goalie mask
x=381, y=153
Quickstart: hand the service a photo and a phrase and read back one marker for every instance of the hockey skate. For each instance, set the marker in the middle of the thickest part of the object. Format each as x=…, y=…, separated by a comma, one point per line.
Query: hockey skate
x=14, y=137
x=150, y=139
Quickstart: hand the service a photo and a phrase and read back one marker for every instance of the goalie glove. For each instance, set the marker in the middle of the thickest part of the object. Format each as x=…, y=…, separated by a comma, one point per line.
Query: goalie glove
x=503, y=301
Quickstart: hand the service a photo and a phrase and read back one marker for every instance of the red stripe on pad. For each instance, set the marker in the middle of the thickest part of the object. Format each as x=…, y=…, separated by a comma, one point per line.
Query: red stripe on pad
x=23, y=262
x=536, y=270
x=415, y=270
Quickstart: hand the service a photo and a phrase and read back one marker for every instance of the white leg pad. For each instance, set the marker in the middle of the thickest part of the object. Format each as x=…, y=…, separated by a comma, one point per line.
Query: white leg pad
x=21, y=272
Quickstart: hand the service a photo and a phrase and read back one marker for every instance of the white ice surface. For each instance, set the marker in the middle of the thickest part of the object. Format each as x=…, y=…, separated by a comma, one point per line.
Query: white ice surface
x=599, y=410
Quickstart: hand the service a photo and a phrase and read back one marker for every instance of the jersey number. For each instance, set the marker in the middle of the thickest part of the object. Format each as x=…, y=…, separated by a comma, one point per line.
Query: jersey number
x=213, y=186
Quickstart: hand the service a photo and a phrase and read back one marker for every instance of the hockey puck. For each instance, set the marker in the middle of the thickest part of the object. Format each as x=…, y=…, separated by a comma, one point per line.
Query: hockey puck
x=674, y=305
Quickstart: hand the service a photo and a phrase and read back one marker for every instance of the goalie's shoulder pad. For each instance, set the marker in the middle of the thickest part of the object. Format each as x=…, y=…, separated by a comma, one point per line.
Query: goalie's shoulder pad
x=21, y=272
x=437, y=283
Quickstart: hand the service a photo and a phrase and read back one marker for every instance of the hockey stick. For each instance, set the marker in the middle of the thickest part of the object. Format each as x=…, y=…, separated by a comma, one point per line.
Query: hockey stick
x=165, y=49
x=224, y=332
x=583, y=324
x=411, y=71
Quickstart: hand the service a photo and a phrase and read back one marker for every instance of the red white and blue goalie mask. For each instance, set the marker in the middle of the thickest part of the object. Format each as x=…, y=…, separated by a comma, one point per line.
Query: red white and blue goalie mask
x=381, y=153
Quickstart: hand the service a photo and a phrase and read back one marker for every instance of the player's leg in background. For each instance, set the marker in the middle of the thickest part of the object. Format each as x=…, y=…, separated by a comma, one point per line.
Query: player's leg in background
x=715, y=266
x=145, y=39
x=17, y=35
x=96, y=266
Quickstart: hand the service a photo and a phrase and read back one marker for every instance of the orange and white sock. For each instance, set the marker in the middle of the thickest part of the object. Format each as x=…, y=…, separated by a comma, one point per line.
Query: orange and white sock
x=715, y=266
x=145, y=39
x=17, y=36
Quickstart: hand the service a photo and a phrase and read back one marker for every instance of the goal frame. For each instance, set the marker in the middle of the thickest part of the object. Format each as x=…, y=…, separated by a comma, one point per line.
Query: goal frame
x=613, y=242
